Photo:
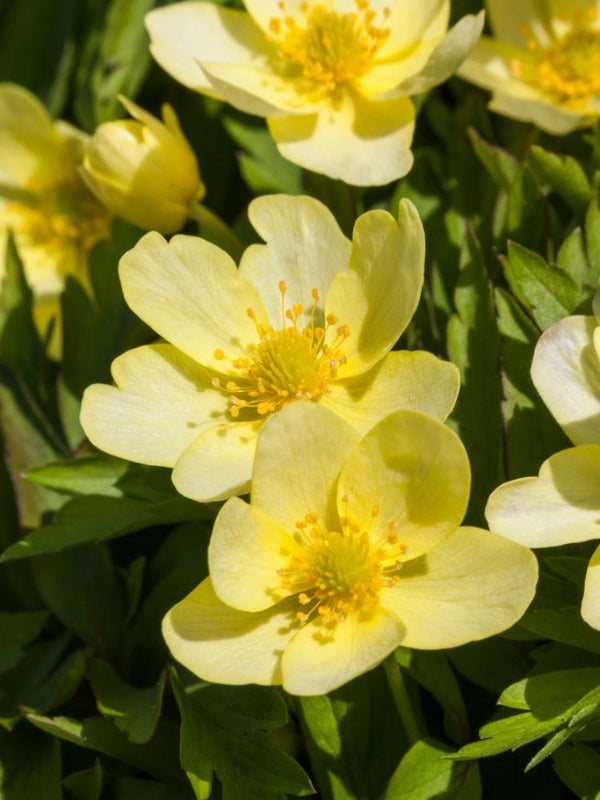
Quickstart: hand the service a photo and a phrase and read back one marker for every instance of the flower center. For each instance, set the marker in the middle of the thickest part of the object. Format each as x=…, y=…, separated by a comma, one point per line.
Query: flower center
x=340, y=571
x=66, y=213
x=288, y=364
x=329, y=48
x=568, y=69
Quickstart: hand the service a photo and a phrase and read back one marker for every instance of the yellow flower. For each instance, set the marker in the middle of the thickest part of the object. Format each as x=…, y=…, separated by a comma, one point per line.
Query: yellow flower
x=310, y=316
x=54, y=218
x=562, y=505
x=333, y=78
x=144, y=170
x=349, y=548
x=544, y=64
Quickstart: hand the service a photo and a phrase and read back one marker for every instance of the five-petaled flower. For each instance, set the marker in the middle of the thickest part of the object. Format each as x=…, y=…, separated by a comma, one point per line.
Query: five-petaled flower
x=54, y=218
x=310, y=316
x=543, y=65
x=349, y=548
x=562, y=505
x=332, y=77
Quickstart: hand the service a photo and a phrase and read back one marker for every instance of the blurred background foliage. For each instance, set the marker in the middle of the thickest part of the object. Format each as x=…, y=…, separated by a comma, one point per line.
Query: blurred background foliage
x=96, y=550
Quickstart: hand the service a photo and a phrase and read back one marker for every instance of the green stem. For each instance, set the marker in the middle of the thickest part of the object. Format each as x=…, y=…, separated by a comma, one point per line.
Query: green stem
x=402, y=700
x=216, y=231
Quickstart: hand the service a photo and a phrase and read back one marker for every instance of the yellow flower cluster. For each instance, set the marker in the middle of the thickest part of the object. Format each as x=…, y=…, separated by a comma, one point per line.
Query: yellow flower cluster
x=277, y=377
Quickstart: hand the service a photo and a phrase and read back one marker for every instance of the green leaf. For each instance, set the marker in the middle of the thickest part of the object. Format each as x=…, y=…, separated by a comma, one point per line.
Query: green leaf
x=114, y=61
x=423, y=774
x=262, y=166
x=158, y=757
x=492, y=663
x=86, y=784
x=177, y=568
x=222, y=731
x=507, y=734
x=433, y=671
x=88, y=475
x=572, y=260
x=554, y=742
x=552, y=694
x=135, y=711
x=547, y=292
x=342, y=730
x=527, y=210
x=17, y=631
x=563, y=175
x=562, y=625
x=20, y=345
x=592, y=238
x=81, y=589
x=473, y=345
x=501, y=165
x=578, y=766
x=531, y=433
x=25, y=447
x=85, y=520
x=136, y=789
x=30, y=682
x=30, y=57
x=561, y=703
x=96, y=331
x=29, y=765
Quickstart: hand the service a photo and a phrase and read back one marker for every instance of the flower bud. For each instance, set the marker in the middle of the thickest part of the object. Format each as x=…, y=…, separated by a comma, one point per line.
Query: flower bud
x=144, y=170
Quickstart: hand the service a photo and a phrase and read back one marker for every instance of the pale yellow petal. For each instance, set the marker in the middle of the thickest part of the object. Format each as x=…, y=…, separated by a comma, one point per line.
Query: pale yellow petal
x=386, y=75
x=263, y=11
x=185, y=35
x=190, y=292
x=224, y=645
x=304, y=247
x=260, y=91
x=447, y=56
x=560, y=507
x=377, y=297
x=45, y=264
x=489, y=66
x=313, y=444
x=472, y=585
x=412, y=22
x=319, y=659
x=162, y=401
x=590, y=605
x=218, y=463
x=557, y=120
x=28, y=138
x=402, y=380
x=511, y=21
x=566, y=373
x=359, y=141
x=416, y=471
x=246, y=549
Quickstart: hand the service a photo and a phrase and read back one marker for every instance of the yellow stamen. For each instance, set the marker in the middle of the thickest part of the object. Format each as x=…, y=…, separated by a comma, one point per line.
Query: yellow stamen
x=330, y=49
x=340, y=571
x=61, y=215
x=567, y=70
x=289, y=364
